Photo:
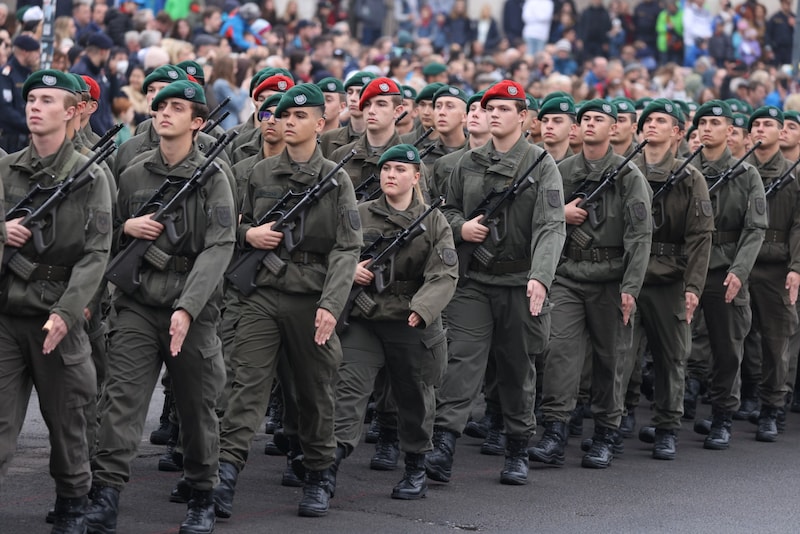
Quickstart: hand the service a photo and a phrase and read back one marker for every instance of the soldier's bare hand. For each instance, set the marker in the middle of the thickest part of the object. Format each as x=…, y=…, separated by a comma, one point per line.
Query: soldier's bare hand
x=324, y=322
x=143, y=227
x=628, y=305
x=179, y=325
x=691, y=305
x=56, y=329
x=733, y=284
x=414, y=320
x=263, y=237
x=573, y=214
x=18, y=235
x=792, y=284
x=473, y=231
x=537, y=293
x=363, y=277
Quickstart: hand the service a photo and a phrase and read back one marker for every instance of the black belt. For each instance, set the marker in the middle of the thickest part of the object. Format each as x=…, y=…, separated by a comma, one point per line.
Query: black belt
x=180, y=264
x=52, y=273
x=719, y=238
x=404, y=287
x=775, y=236
x=302, y=256
x=503, y=267
x=667, y=249
x=595, y=254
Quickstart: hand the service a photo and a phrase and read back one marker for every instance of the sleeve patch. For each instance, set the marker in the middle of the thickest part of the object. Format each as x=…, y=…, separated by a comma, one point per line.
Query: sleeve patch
x=449, y=256
x=707, y=208
x=554, y=198
x=354, y=218
x=102, y=221
x=761, y=205
x=224, y=217
x=639, y=211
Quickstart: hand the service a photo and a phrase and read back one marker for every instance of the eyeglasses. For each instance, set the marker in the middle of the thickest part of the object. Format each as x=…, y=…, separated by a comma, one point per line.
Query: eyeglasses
x=265, y=115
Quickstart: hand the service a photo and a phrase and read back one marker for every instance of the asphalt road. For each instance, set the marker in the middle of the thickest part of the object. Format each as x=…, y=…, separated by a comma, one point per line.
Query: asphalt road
x=752, y=487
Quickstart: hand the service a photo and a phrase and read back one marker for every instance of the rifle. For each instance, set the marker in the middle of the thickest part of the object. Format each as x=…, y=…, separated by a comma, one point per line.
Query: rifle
x=775, y=186
x=109, y=135
x=365, y=192
x=220, y=142
x=401, y=117
x=422, y=137
x=213, y=123
x=37, y=219
x=427, y=150
x=733, y=171
x=244, y=270
x=492, y=217
x=382, y=266
x=213, y=113
x=123, y=269
x=680, y=174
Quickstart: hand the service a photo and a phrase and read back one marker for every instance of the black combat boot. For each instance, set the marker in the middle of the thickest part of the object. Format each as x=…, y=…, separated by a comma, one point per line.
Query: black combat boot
x=200, y=518
x=719, y=435
x=749, y=403
x=550, y=449
x=69, y=515
x=495, y=442
x=647, y=434
x=515, y=470
x=101, y=514
x=628, y=423
x=601, y=453
x=373, y=431
x=224, y=491
x=316, y=495
x=181, y=493
x=702, y=426
x=333, y=470
x=576, y=422
x=664, y=446
x=478, y=429
x=413, y=486
x=171, y=461
x=690, y=395
x=387, y=451
x=295, y=473
x=439, y=462
x=617, y=445
x=274, y=413
x=161, y=435
x=767, y=424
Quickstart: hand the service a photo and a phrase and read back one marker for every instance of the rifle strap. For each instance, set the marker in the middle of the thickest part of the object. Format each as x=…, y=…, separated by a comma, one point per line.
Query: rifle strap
x=596, y=254
x=502, y=267
x=63, y=172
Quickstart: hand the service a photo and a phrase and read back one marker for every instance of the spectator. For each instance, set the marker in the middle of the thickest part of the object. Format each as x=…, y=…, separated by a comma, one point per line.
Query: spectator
x=118, y=21
x=236, y=27
x=749, y=48
x=223, y=85
x=181, y=30
x=93, y=64
x=727, y=18
x=563, y=61
x=618, y=34
x=123, y=114
x=211, y=22
x=597, y=76
x=669, y=28
x=370, y=15
x=134, y=93
x=720, y=46
x=593, y=28
x=780, y=34
x=268, y=12
x=441, y=7
x=290, y=16
x=99, y=12
x=64, y=33
x=520, y=72
x=300, y=66
x=566, y=23
x=645, y=16
x=306, y=32
x=458, y=27
x=747, y=10
x=512, y=19
x=696, y=29
x=5, y=45
x=82, y=16
x=486, y=29
x=537, y=16
x=405, y=14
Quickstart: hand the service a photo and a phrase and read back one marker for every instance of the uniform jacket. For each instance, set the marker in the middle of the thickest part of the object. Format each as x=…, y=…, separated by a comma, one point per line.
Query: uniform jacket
x=330, y=141
x=441, y=170
x=364, y=163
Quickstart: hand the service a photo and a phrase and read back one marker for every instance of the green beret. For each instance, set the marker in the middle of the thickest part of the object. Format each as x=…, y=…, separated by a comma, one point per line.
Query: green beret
x=83, y=87
x=641, y=103
x=735, y=105
x=740, y=120
x=358, y=79
x=432, y=69
x=690, y=131
x=692, y=107
x=428, y=91
x=684, y=107
x=184, y=89
x=331, y=85
x=475, y=98
x=766, y=112
x=713, y=108
x=624, y=105
x=165, y=73
x=449, y=90
x=557, y=105
x=791, y=116
x=194, y=69
x=599, y=105
x=531, y=102
x=271, y=101
x=305, y=95
x=747, y=109
x=660, y=105
x=402, y=153
x=408, y=92
x=49, y=78
x=555, y=94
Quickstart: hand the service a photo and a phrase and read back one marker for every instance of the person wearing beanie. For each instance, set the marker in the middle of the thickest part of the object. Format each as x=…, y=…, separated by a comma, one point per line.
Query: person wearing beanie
x=406, y=322
x=23, y=61
x=600, y=276
x=499, y=308
x=557, y=116
x=790, y=142
x=43, y=338
x=331, y=141
x=298, y=310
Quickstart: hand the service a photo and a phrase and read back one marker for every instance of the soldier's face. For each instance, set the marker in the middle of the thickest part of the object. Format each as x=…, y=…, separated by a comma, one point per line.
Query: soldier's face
x=504, y=118
x=398, y=178
x=768, y=131
x=555, y=128
x=380, y=113
x=694, y=141
x=596, y=127
x=300, y=125
x=425, y=110
x=737, y=141
x=450, y=114
x=477, y=120
x=271, y=127
x=152, y=91
x=625, y=129
x=174, y=118
x=411, y=107
x=46, y=111
x=714, y=131
x=353, y=96
x=333, y=105
x=790, y=137
x=659, y=128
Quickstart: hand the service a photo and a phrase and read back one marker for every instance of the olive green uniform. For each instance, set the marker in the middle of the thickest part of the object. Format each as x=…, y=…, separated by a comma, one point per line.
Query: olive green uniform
x=333, y=140
x=440, y=172
x=425, y=278
x=365, y=161
x=490, y=311
x=65, y=279
x=586, y=293
x=140, y=338
x=282, y=309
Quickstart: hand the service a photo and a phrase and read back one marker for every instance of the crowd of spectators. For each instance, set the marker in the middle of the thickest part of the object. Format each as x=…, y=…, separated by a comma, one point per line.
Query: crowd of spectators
x=606, y=49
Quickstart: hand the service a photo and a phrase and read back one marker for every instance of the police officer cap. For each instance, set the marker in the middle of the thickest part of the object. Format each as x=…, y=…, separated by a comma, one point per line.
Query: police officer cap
x=408, y=92
x=193, y=68
x=766, y=112
x=358, y=79
x=555, y=94
x=600, y=106
x=660, y=105
x=50, y=79
x=403, y=153
x=433, y=69
x=428, y=91
x=27, y=43
x=740, y=120
x=165, y=73
x=712, y=108
x=531, y=102
x=642, y=103
x=475, y=98
x=184, y=89
x=331, y=85
x=270, y=102
x=791, y=116
x=300, y=96
x=557, y=105
x=449, y=90
x=100, y=40
x=504, y=90
x=624, y=105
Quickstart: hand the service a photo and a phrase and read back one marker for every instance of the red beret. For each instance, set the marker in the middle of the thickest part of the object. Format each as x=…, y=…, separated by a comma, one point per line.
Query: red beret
x=94, y=87
x=279, y=83
x=504, y=90
x=378, y=87
x=192, y=78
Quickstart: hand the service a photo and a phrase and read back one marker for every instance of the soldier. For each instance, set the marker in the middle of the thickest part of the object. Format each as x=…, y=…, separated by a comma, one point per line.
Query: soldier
x=532, y=127
x=407, y=123
x=683, y=222
x=623, y=137
x=404, y=333
x=739, y=140
x=790, y=140
x=740, y=218
x=501, y=308
x=297, y=310
x=171, y=317
x=557, y=116
x=593, y=297
x=333, y=140
x=44, y=293
x=775, y=277
x=426, y=115
x=335, y=101
x=24, y=60
x=450, y=110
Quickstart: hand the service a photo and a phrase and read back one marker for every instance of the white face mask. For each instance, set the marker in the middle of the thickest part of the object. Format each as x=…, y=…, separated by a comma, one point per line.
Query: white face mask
x=122, y=66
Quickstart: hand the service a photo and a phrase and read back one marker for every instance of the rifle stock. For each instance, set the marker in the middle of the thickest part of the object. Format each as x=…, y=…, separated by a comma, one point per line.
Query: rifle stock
x=733, y=171
x=787, y=177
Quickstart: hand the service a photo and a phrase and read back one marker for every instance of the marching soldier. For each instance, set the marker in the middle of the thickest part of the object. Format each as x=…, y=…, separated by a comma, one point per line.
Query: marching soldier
x=557, y=117
x=335, y=101
x=450, y=112
x=623, y=137
x=335, y=139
